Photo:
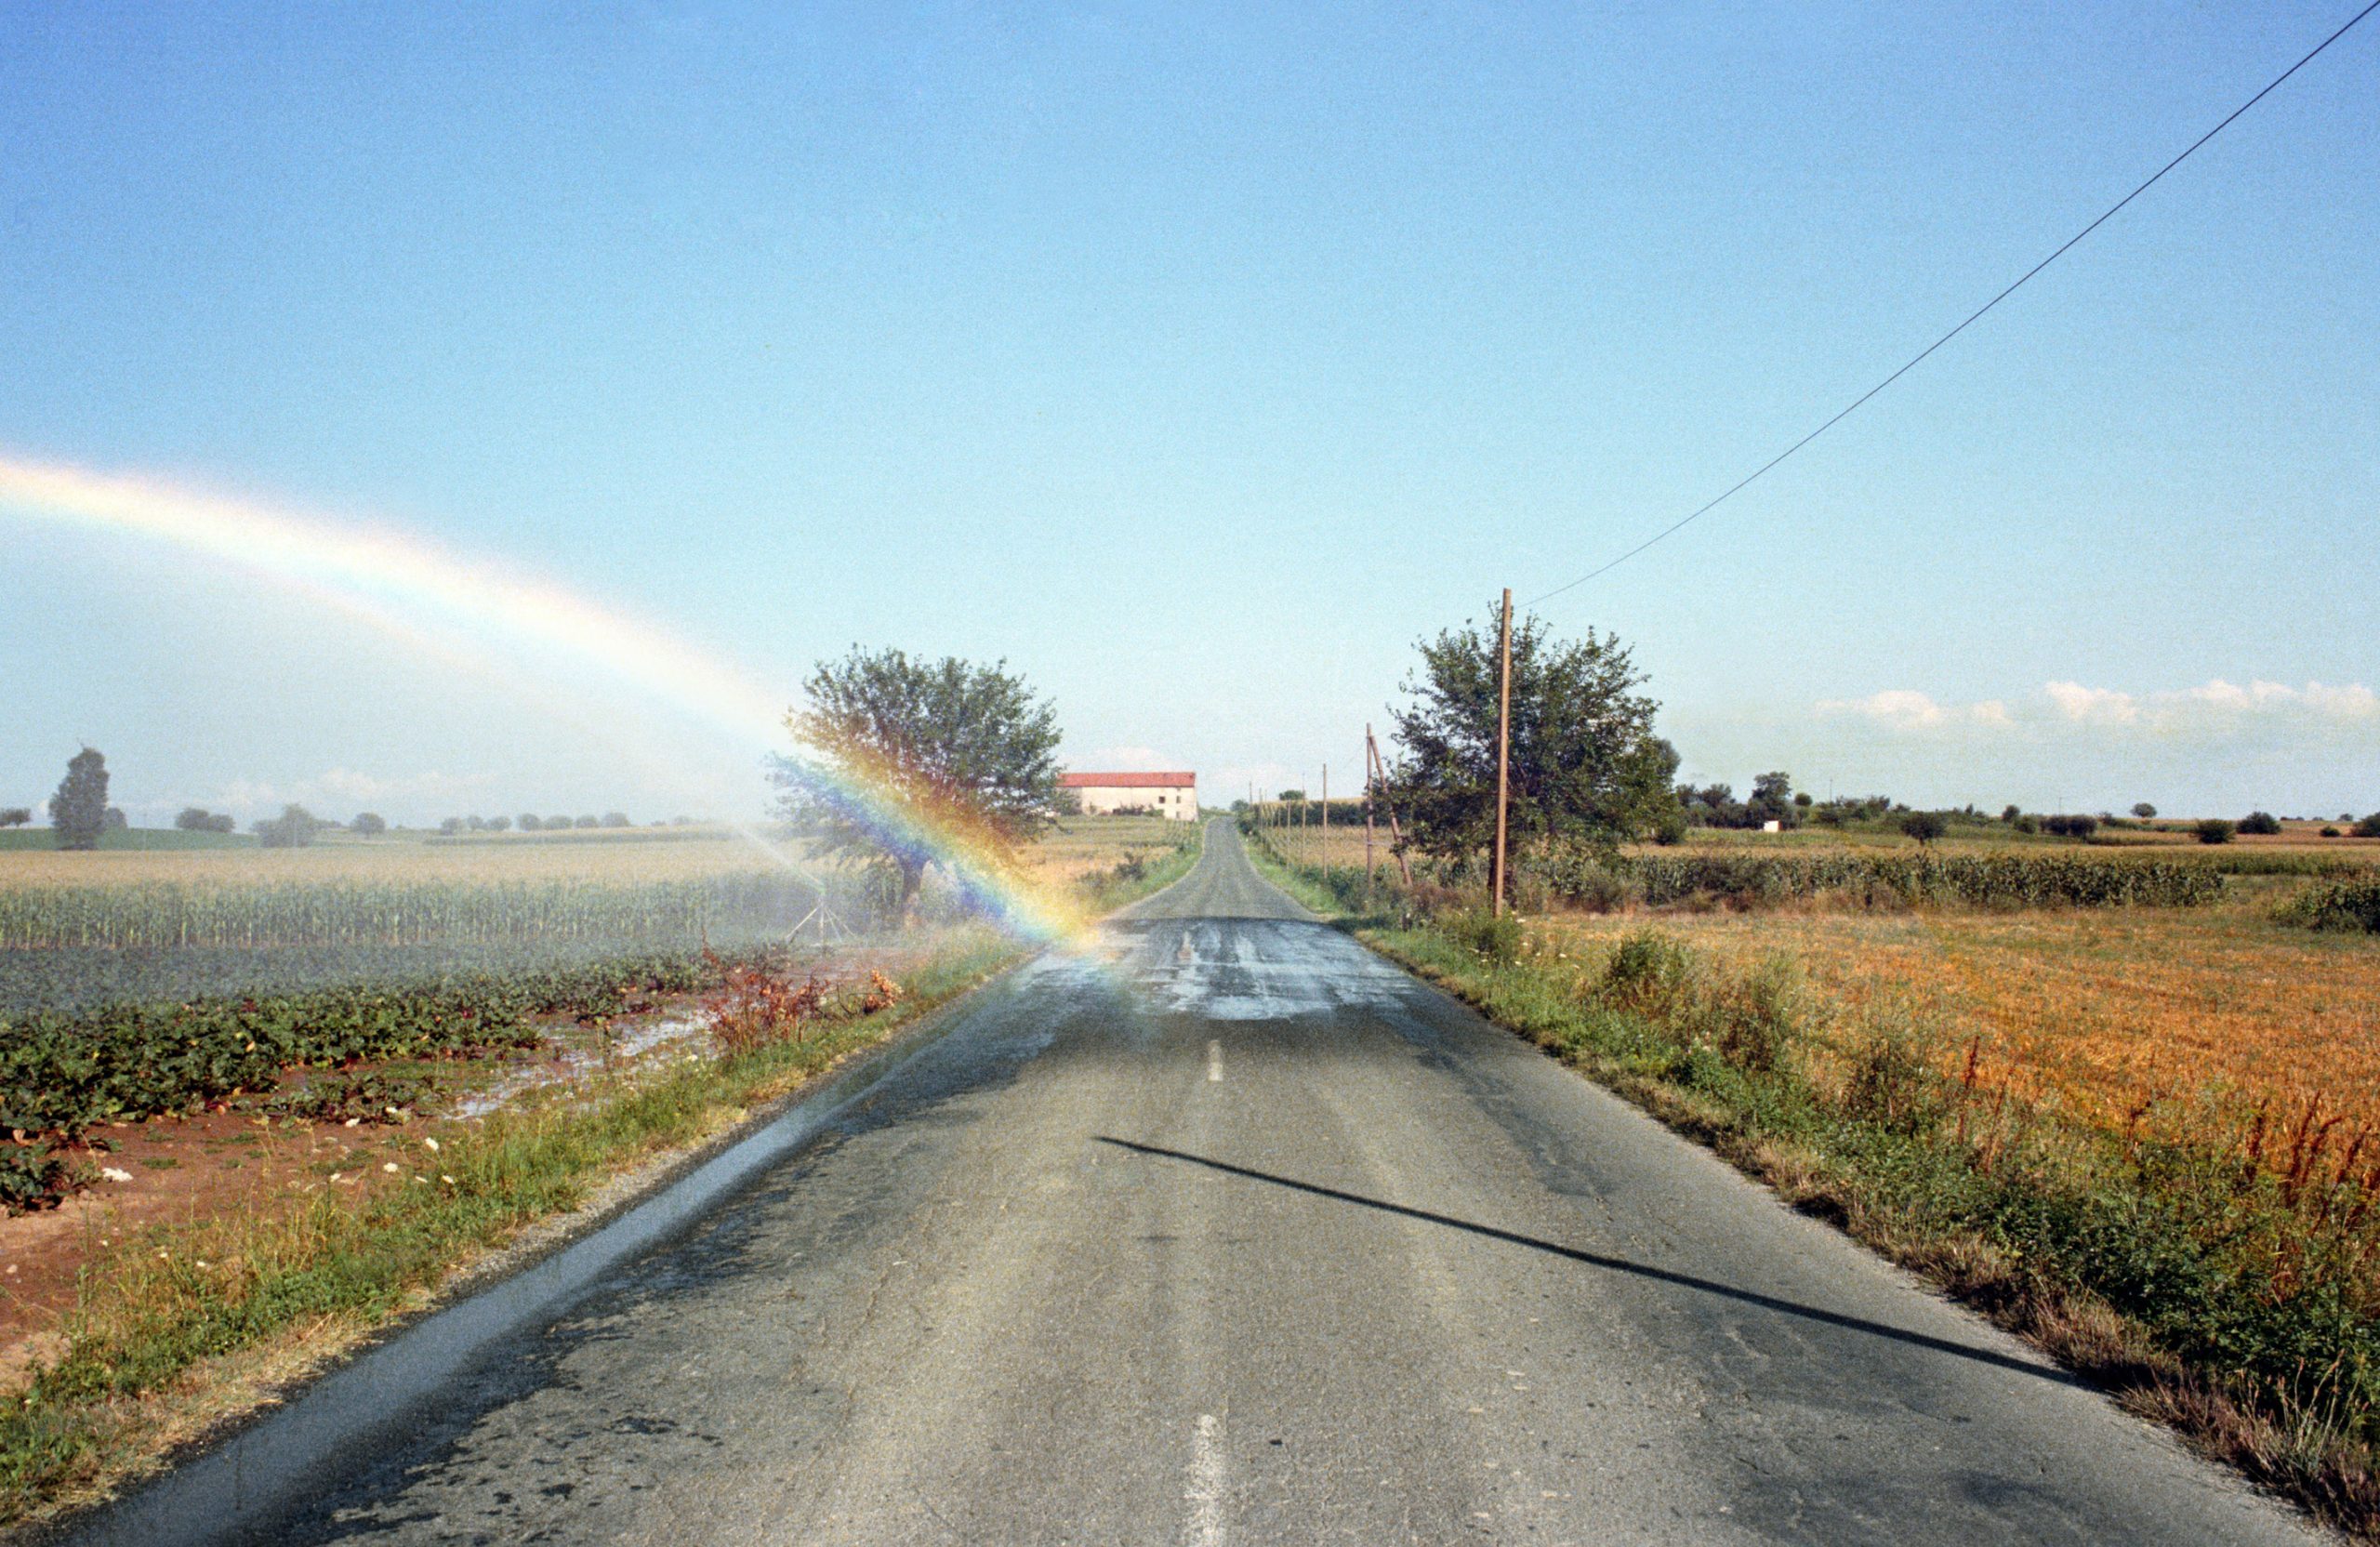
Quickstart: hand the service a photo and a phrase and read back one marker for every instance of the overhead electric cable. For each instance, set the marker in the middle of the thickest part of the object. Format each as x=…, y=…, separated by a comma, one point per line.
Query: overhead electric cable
x=1915, y=360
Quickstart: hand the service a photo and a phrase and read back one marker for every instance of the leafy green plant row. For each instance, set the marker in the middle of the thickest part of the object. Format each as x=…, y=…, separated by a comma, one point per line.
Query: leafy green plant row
x=62, y=1073
x=2340, y=905
x=1991, y=881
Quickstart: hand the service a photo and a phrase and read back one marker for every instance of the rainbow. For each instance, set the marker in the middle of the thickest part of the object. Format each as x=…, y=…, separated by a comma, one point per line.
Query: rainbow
x=406, y=584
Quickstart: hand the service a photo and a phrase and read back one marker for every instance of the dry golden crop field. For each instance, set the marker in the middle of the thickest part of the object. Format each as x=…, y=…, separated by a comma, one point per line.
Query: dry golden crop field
x=1080, y=845
x=2096, y=1010
x=1076, y=846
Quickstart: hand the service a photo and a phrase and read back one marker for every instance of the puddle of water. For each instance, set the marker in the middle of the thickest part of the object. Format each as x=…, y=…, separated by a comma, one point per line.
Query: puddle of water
x=578, y=1064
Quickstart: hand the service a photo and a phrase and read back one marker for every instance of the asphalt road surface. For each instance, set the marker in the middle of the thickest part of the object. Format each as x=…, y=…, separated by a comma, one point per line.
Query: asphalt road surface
x=1222, y=1230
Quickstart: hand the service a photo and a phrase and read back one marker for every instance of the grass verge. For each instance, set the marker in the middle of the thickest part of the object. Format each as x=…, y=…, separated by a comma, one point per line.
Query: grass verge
x=2221, y=1281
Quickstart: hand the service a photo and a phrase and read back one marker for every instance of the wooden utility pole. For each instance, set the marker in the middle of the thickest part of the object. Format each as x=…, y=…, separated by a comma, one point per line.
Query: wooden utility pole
x=1395, y=833
x=1369, y=872
x=1322, y=853
x=1504, y=743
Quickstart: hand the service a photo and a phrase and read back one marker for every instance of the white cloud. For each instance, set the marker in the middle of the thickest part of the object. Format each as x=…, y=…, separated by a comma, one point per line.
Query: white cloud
x=1894, y=706
x=2102, y=704
x=2212, y=709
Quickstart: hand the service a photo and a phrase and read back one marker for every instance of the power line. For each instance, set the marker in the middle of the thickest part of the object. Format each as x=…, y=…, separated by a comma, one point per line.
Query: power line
x=1862, y=400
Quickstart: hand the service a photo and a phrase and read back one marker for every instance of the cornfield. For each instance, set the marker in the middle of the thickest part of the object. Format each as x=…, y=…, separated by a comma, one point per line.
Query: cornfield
x=175, y=915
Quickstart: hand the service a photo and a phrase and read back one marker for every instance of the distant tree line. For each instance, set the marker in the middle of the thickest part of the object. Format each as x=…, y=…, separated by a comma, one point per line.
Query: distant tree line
x=530, y=822
x=1772, y=800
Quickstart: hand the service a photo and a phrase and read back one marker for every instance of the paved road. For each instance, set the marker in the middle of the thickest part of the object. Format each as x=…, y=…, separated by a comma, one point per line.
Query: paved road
x=1225, y=1231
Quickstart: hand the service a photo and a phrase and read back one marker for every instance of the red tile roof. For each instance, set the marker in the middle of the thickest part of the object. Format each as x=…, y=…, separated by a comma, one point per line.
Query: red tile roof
x=1127, y=781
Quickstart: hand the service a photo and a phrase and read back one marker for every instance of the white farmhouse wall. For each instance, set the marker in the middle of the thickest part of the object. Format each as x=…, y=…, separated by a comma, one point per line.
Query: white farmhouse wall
x=1178, y=802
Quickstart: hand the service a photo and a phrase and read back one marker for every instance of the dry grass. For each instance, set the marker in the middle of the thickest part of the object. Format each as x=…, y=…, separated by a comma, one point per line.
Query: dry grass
x=1086, y=845
x=2102, y=1013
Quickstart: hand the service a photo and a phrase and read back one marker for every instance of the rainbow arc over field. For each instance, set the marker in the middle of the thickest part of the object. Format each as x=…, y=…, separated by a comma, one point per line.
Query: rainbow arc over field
x=382, y=572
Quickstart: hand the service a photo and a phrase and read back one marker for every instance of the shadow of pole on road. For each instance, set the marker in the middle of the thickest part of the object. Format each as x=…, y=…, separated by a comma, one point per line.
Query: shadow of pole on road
x=1620, y=1264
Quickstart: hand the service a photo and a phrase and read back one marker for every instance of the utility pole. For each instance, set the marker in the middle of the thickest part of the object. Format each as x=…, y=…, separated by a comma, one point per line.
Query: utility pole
x=1369, y=872
x=1322, y=853
x=1379, y=767
x=1504, y=745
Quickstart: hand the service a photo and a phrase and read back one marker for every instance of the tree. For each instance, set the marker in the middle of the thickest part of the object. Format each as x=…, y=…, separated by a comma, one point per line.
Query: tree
x=293, y=828
x=198, y=819
x=453, y=824
x=1925, y=825
x=557, y=824
x=617, y=819
x=15, y=816
x=1586, y=767
x=2143, y=810
x=2368, y=828
x=370, y=824
x=498, y=825
x=952, y=748
x=78, y=812
x=1772, y=800
x=115, y=821
x=2262, y=823
x=531, y=822
x=2214, y=830
x=1290, y=795
x=588, y=822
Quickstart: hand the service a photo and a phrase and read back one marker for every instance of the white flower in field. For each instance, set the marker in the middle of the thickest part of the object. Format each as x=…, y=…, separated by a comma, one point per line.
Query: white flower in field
x=334, y=1177
x=115, y=1174
x=355, y=1122
x=431, y=1143
x=390, y=1168
x=448, y=1180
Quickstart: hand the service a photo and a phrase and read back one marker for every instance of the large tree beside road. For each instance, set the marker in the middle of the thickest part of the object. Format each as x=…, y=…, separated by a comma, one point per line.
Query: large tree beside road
x=1586, y=766
x=912, y=754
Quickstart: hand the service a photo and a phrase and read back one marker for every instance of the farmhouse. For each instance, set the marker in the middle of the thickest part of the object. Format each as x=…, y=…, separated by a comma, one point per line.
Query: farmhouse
x=1173, y=794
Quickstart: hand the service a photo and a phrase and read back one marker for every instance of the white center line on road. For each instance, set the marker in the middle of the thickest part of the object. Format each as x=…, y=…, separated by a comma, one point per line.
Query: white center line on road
x=1214, y=1063
x=1206, y=1494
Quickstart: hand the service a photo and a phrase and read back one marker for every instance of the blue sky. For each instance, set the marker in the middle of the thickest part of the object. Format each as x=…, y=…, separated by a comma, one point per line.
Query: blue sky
x=1197, y=361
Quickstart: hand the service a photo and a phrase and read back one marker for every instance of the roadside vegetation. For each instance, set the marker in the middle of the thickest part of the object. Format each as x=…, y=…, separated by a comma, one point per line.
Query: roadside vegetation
x=2114, y=1083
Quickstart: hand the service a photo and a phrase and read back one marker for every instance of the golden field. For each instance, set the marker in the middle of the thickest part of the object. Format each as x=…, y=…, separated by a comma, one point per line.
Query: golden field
x=1077, y=846
x=2094, y=1010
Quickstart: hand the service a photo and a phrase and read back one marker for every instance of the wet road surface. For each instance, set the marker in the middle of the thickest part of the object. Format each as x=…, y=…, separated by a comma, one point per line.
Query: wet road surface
x=1222, y=1230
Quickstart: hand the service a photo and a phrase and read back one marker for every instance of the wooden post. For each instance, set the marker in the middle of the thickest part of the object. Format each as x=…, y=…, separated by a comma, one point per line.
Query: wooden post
x=1322, y=850
x=1371, y=874
x=1395, y=833
x=1504, y=745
